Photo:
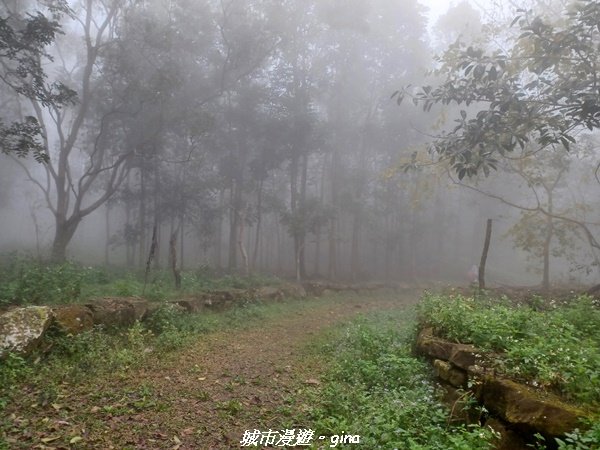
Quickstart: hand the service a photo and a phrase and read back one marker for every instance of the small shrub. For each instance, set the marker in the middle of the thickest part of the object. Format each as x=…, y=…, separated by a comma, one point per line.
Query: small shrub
x=163, y=319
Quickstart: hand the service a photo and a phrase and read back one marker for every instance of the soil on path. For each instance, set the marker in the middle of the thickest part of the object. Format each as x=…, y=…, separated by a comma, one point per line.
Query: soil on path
x=207, y=394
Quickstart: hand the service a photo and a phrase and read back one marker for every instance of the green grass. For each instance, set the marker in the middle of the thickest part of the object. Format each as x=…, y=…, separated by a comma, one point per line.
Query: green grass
x=26, y=281
x=557, y=349
x=377, y=389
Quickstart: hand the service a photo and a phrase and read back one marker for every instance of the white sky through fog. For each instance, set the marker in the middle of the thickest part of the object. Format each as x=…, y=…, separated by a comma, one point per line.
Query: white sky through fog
x=436, y=8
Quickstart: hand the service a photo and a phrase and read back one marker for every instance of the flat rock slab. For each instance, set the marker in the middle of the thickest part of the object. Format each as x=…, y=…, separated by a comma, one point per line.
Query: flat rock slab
x=21, y=329
x=523, y=407
x=268, y=293
x=72, y=319
x=117, y=311
x=447, y=372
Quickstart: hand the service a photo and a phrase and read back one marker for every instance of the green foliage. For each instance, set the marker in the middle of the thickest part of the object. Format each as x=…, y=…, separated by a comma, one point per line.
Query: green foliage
x=545, y=75
x=377, y=389
x=557, y=349
x=25, y=281
x=581, y=440
x=23, y=41
x=12, y=369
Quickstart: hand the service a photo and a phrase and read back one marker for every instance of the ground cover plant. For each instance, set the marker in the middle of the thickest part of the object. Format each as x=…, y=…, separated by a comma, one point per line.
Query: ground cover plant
x=377, y=389
x=550, y=346
x=27, y=281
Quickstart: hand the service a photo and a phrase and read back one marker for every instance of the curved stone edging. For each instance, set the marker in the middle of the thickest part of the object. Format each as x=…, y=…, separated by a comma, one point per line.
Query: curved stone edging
x=23, y=328
x=520, y=408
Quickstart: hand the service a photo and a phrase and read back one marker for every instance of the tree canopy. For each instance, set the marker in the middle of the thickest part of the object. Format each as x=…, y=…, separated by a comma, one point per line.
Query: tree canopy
x=23, y=42
x=541, y=88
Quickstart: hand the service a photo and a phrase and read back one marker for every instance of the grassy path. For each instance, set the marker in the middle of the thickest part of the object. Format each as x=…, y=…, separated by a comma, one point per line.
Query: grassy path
x=202, y=396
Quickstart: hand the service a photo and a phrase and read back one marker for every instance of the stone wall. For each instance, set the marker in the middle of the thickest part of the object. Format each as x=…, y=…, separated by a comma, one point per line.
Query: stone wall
x=516, y=411
x=22, y=328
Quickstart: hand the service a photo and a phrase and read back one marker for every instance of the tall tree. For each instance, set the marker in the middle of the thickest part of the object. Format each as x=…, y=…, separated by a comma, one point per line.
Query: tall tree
x=24, y=37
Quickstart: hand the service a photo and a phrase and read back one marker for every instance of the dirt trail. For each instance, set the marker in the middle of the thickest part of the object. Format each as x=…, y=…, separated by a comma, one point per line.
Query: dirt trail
x=205, y=395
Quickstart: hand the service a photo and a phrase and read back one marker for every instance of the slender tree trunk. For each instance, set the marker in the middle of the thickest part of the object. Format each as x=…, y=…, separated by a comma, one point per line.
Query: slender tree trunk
x=546, y=252
x=151, y=255
x=181, y=236
x=240, y=241
x=173, y=258
x=302, y=236
x=234, y=226
x=142, y=217
x=219, y=240
x=332, y=269
x=258, y=224
x=484, y=254
x=38, y=247
x=355, y=257
x=107, y=242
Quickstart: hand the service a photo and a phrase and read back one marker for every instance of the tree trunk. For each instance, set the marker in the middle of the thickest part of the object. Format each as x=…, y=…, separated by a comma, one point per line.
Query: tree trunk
x=258, y=224
x=107, y=229
x=355, y=257
x=65, y=229
x=546, y=253
x=173, y=258
x=151, y=255
x=234, y=227
x=219, y=239
x=142, y=218
x=484, y=254
x=240, y=242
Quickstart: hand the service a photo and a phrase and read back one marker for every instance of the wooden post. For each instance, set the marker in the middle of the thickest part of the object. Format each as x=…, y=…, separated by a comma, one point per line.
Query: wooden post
x=484, y=254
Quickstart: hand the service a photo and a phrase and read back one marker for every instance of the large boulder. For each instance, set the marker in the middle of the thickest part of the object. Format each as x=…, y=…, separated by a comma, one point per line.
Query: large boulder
x=225, y=298
x=268, y=293
x=529, y=410
x=117, y=312
x=72, y=319
x=447, y=372
x=22, y=329
x=294, y=290
x=191, y=305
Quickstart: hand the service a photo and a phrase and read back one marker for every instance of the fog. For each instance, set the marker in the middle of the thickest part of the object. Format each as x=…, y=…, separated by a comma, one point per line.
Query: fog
x=263, y=136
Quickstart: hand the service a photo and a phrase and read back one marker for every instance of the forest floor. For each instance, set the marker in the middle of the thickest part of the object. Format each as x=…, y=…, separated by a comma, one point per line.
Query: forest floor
x=203, y=395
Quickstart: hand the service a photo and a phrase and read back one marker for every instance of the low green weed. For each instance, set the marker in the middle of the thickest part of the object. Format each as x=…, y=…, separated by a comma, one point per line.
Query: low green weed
x=27, y=281
x=375, y=388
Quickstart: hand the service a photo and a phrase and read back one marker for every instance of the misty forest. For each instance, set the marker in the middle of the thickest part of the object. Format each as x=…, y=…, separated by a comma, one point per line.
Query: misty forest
x=300, y=224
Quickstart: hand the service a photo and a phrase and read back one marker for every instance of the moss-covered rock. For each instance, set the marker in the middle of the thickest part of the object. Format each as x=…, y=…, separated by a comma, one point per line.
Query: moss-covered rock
x=529, y=410
x=293, y=290
x=118, y=311
x=507, y=439
x=449, y=373
x=192, y=304
x=22, y=329
x=429, y=345
x=72, y=319
x=268, y=293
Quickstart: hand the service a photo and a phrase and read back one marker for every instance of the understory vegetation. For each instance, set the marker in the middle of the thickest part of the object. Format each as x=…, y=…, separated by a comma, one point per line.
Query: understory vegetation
x=377, y=389
x=26, y=281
